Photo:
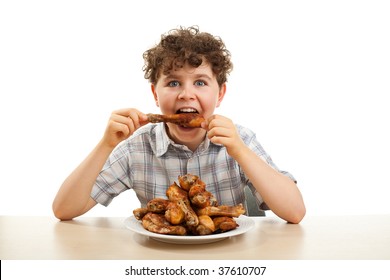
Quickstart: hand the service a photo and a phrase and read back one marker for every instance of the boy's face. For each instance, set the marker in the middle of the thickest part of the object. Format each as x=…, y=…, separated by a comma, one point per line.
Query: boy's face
x=188, y=89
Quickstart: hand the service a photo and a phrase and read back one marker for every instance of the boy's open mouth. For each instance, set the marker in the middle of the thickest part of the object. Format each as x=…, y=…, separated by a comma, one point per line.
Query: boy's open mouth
x=187, y=110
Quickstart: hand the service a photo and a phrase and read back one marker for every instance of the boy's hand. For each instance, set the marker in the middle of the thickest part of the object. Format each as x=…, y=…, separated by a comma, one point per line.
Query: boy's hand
x=122, y=125
x=222, y=130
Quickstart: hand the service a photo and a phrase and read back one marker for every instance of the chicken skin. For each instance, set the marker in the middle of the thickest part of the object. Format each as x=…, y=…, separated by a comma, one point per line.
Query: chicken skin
x=139, y=213
x=222, y=210
x=197, y=192
x=174, y=213
x=223, y=224
x=206, y=226
x=192, y=120
x=157, y=205
x=158, y=224
x=175, y=193
x=190, y=216
x=200, y=197
x=189, y=180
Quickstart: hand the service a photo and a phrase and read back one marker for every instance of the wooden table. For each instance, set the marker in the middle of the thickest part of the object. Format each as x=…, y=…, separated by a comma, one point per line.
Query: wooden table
x=95, y=238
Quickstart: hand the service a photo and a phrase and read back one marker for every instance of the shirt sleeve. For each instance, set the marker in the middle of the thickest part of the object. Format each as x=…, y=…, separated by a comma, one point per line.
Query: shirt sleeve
x=114, y=177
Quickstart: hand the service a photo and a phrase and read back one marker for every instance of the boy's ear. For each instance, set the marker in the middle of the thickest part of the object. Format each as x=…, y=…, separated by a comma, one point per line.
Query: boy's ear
x=221, y=94
x=152, y=87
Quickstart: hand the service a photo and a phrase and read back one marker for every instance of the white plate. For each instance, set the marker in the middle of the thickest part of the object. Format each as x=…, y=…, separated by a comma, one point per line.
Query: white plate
x=245, y=224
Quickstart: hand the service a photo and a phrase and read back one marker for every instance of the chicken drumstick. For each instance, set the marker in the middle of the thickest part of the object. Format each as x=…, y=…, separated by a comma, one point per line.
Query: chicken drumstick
x=222, y=210
x=186, y=120
x=158, y=224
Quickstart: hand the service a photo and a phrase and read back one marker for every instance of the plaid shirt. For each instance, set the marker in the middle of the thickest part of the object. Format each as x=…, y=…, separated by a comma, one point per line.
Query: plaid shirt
x=149, y=161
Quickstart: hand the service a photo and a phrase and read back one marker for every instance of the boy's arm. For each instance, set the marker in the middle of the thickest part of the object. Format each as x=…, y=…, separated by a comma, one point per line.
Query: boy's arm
x=73, y=198
x=279, y=192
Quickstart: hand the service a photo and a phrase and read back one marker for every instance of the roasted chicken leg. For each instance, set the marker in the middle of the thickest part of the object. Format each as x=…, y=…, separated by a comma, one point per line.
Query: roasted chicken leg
x=223, y=224
x=222, y=210
x=197, y=192
x=186, y=119
x=174, y=213
x=157, y=205
x=158, y=224
x=206, y=226
x=139, y=213
x=200, y=197
x=175, y=193
x=189, y=180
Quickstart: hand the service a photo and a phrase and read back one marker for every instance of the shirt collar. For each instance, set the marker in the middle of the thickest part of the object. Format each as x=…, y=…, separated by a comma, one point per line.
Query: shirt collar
x=163, y=142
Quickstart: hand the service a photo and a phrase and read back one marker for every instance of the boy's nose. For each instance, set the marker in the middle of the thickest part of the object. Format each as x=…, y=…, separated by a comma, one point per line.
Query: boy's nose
x=187, y=93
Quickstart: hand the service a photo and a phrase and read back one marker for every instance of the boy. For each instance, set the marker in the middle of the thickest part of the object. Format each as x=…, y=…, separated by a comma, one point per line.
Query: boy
x=188, y=72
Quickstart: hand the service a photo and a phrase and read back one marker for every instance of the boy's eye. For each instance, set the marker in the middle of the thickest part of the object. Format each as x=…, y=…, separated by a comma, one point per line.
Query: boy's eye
x=173, y=83
x=200, y=83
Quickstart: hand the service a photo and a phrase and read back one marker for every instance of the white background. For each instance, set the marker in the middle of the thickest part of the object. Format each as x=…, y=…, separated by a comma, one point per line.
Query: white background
x=311, y=79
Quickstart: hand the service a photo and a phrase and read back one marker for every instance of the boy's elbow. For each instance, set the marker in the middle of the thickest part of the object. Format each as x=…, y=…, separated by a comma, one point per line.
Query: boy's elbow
x=62, y=217
x=60, y=214
x=297, y=216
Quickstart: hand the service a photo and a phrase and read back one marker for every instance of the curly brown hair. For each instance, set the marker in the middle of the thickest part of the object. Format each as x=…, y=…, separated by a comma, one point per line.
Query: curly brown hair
x=187, y=45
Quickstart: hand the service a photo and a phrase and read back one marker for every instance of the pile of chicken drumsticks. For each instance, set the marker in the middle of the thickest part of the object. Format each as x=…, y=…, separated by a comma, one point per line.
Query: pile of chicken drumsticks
x=188, y=210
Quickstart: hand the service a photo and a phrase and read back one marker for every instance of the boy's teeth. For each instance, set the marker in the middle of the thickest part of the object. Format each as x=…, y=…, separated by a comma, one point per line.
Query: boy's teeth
x=187, y=110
